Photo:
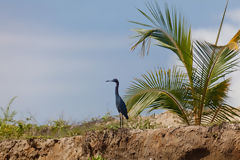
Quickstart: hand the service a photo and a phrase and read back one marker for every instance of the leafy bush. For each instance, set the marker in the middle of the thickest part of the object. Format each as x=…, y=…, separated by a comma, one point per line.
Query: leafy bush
x=97, y=158
x=24, y=129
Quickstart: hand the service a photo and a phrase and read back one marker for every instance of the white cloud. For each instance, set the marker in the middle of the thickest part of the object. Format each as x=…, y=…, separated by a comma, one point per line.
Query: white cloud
x=234, y=15
x=210, y=34
x=228, y=30
x=235, y=90
x=206, y=34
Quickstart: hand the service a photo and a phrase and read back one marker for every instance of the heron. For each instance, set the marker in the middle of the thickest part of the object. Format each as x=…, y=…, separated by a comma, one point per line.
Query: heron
x=121, y=106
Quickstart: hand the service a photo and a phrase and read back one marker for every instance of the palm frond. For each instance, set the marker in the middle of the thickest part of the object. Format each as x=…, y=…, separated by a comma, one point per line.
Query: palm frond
x=158, y=89
x=170, y=31
x=223, y=113
x=220, y=28
x=217, y=94
x=212, y=63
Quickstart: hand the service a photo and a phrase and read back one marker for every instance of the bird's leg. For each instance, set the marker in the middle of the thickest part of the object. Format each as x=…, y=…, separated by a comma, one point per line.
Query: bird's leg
x=120, y=119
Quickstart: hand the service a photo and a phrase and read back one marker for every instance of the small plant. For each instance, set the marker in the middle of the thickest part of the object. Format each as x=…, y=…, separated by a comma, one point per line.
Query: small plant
x=8, y=115
x=97, y=158
x=107, y=116
x=140, y=123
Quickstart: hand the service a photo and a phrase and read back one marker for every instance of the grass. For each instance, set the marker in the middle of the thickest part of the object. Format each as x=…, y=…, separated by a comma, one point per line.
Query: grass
x=54, y=129
x=61, y=128
x=25, y=129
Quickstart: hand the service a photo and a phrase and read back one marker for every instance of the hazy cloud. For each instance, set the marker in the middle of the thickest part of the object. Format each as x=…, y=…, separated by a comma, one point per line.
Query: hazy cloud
x=210, y=34
x=234, y=15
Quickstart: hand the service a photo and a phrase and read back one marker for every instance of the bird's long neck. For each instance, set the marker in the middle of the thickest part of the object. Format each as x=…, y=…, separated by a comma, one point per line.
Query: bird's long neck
x=116, y=89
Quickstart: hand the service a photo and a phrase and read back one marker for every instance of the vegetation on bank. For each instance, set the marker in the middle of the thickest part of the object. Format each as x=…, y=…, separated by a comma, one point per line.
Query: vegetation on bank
x=10, y=128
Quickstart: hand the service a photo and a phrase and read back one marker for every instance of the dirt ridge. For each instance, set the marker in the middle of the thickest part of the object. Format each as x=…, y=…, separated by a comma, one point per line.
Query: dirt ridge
x=219, y=142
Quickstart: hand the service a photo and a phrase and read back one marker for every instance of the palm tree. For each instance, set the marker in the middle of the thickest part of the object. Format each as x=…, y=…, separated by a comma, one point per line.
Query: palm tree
x=196, y=94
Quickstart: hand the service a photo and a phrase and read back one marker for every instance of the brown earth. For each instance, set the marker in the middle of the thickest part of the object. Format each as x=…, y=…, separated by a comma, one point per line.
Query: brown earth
x=220, y=142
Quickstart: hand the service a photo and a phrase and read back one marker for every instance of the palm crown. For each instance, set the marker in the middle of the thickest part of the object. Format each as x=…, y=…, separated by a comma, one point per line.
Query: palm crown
x=198, y=94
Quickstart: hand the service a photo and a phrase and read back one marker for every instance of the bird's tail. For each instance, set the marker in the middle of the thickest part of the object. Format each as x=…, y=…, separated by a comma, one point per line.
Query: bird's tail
x=126, y=116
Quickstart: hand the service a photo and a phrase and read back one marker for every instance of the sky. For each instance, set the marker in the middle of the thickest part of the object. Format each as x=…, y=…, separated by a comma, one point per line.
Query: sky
x=55, y=56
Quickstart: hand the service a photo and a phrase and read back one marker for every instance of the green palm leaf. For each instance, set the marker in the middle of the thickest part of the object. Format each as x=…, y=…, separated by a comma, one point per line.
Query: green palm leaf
x=213, y=63
x=159, y=89
x=169, y=30
x=220, y=114
x=217, y=94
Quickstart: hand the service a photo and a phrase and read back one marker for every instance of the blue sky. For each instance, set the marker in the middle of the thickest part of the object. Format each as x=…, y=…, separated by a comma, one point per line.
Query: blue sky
x=56, y=55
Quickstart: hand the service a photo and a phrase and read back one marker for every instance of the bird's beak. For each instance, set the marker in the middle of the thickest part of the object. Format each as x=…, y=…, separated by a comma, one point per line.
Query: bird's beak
x=109, y=81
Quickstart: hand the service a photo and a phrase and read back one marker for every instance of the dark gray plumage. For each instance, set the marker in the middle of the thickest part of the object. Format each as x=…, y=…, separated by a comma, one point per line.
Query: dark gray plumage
x=121, y=106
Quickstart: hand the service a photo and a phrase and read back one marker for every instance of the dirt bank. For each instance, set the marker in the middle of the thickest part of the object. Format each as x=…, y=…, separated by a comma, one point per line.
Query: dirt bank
x=180, y=143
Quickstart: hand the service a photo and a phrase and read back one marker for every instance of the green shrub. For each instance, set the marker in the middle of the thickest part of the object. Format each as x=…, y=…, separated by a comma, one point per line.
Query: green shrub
x=97, y=158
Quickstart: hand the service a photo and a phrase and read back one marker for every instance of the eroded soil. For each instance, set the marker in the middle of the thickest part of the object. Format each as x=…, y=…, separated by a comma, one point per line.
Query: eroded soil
x=220, y=142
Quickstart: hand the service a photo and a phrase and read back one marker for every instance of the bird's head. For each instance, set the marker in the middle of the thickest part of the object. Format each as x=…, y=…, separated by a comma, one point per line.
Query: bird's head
x=114, y=80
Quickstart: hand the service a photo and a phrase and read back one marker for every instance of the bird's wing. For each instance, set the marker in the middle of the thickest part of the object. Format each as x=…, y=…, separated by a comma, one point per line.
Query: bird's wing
x=123, y=109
